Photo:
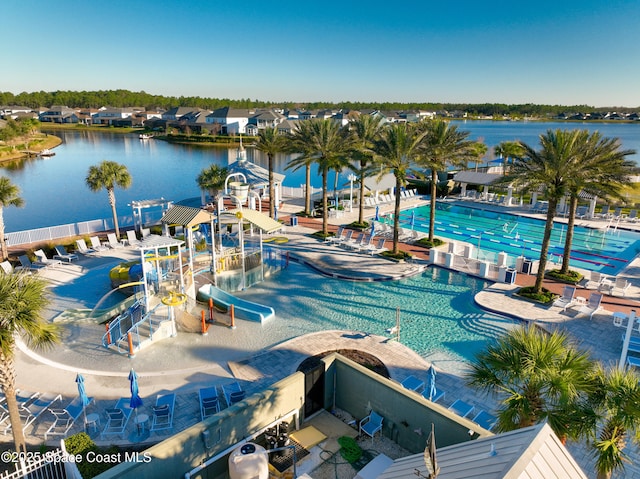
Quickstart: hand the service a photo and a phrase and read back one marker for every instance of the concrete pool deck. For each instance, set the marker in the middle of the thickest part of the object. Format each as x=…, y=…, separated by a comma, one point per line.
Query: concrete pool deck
x=170, y=366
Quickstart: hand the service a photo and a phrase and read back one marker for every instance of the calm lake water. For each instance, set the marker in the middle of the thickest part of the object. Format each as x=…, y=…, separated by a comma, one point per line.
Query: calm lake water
x=55, y=193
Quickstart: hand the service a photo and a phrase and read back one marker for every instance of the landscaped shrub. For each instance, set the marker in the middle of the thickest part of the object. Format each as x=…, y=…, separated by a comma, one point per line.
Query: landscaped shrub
x=545, y=296
x=429, y=244
x=571, y=277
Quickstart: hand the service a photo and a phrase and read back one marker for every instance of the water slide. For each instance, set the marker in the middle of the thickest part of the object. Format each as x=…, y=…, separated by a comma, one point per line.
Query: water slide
x=243, y=309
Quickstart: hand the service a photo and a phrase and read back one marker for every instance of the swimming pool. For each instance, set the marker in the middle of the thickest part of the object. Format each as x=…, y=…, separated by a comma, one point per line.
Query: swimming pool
x=607, y=250
x=438, y=317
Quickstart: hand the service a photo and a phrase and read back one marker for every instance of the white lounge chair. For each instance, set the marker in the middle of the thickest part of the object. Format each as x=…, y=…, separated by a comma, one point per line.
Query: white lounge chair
x=96, y=245
x=6, y=267
x=595, y=278
x=233, y=393
x=567, y=298
x=163, y=412
x=378, y=247
x=461, y=408
x=113, y=241
x=344, y=238
x=592, y=305
x=364, y=244
x=371, y=424
x=84, y=249
x=65, y=418
x=63, y=255
x=337, y=237
x=118, y=418
x=209, y=402
x=621, y=285
x=350, y=243
x=42, y=259
x=132, y=239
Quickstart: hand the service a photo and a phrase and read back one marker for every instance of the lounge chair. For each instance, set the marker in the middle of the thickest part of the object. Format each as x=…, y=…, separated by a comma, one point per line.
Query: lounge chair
x=132, y=239
x=32, y=409
x=593, y=305
x=617, y=214
x=338, y=236
x=604, y=213
x=233, y=393
x=485, y=420
x=163, y=412
x=378, y=247
x=582, y=212
x=209, y=402
x=23, y=398
x=81, y=244
x=63, y=255
x=412, y=383
x=364, y=244
x=595, y=278
x=350, y=243
x=621, y=285
x=6, y=267
x=65, y=418
x=96, y=245
x=567, y=298
x=344, y=238
x=633, y=361
x=440, y=394
x=27, y=265
x=461, y=408
x=42, y=259
x=118, y=418
x=371, y=424
x=113, y=241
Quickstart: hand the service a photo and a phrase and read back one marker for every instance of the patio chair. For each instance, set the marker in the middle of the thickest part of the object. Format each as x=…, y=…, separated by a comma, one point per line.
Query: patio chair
x=63, y=255
x=595, y=278
x=344, y=238
x=42, y=259
x=233, y=393
x=163, y=412
x=461, y=408
x=209, y=402
x=604, y=213
x=32, y=409
x=633, y=216
x=567, y=298
x=132, y=239
x=633, y=361
x=113, y=241
x=485, y=420
x=81, y=244
x=65, y=418
x=117, y=418
x=6, y=267
x=23, y=398
x=338, y=236
x=371, y=424
x=364, y=244
x=412, y=383
x=96, y=245
x=593, y=305
x=617, y=214
x=440, y=394
x=351, y=242
x=27, y=265
x=378, y=247
x=582, y=212
x=621, y=285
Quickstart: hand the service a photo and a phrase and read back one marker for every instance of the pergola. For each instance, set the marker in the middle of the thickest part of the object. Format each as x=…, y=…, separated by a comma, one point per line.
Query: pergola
x=485, y=180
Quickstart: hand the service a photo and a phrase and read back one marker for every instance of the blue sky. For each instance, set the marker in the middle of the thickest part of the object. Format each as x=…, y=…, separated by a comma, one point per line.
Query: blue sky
x=552, y=52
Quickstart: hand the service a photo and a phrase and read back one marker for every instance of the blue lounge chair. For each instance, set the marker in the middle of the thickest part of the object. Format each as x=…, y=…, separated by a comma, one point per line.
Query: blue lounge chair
x=118, y=418
x=461, y=408
x=485, y=420
x=209, y=402
x=32, y=409
x=233, y=393
x=163, y=412
x=65, y=418
x=412, y=383
x=371, y=424
x=440, y=394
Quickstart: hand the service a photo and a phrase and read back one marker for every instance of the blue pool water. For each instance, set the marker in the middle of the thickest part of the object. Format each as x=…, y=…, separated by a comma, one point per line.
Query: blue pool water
x=608, y=251
x=438, y=317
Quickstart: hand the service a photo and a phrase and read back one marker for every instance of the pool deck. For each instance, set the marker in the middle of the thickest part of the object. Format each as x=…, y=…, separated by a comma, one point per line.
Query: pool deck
x=188, y=362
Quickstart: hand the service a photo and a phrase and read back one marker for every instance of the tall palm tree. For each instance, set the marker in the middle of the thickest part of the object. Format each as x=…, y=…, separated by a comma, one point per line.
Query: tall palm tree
x=364, y=129
x=442, y=146
x=271, y=143
x=23, y=298
x=617, y=400
x=396, y=150
x=602, y=171
x=537, y=377
x=107, y=175
x=212, y=179
x=551, y=168
x=508, y=150
x=9, y=196
x=325, y=143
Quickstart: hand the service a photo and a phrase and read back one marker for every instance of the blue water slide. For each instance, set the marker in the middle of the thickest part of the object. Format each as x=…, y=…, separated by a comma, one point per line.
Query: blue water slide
x=243, y=309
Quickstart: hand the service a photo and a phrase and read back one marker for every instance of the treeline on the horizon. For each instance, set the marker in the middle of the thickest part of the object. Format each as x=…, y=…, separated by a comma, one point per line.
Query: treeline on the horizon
x=125, y=98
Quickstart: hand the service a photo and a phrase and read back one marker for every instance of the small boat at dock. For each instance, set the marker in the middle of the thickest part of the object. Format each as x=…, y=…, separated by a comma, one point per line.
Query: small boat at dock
x=46, y=153
x=145, y=136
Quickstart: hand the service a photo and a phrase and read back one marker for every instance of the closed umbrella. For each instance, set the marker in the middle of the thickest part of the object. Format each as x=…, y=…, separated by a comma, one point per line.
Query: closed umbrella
x=377, y=217
x=412, y=221
x=431, y=386
x=82, y=392
x=373, y=229
x=136, y=400
x=275, y=212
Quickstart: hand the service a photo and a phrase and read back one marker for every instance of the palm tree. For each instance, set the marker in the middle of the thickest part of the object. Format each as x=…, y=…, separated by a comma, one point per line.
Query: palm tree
x=508, y=150
x=108, y=175
x=325, y=143
x=442, y=146
x=396, y=150
x=537, y=376
x=551, y=168
x=212, y=179
x=271, y=143
x=364, y=129
x=9, y=196
x=602, y=171
x=617, y=400
x=23, y=298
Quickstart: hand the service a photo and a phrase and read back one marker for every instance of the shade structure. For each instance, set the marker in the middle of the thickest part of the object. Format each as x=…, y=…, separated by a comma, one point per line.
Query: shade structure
x=431, y=383
x=377, y=217
x=82, y=392
x=136, y=400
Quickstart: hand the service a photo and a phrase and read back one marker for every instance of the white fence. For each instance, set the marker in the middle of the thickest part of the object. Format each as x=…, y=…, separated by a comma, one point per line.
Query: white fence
x=297, y=192
x=48, y=465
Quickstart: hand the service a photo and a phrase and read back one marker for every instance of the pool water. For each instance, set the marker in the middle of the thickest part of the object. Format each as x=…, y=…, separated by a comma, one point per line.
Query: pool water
x=438, y=317
x=607, y=250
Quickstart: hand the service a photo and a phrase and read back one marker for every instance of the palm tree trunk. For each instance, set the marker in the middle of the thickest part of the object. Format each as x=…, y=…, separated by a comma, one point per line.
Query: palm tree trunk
x=272, y=196
x=546, y=239
x=8, y=383
x=325, y=211
x=112, y=202
x=307, y=192
x=4, y=253
x=432, y=213
x=396, y=215
x=361, y=200
x=566, y=255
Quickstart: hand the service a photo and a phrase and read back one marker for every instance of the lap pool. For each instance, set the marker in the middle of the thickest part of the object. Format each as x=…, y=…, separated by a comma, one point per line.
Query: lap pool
x=438, y=317
x=606, y=250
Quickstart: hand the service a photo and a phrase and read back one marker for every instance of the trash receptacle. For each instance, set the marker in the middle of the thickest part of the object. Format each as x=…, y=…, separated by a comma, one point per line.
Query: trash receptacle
x=293, y=221
x=527, y=266
x=510, y=276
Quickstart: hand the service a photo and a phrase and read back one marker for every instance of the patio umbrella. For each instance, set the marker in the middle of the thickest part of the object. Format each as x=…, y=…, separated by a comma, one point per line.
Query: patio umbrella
x=136, y=400
x=82, y=392
x=377, y=217
x=431, y=383
x=275, y=212
x=373, y=228
x=412, y=221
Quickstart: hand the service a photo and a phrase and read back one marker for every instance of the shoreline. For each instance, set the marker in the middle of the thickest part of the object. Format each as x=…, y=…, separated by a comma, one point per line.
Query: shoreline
x=48, y=142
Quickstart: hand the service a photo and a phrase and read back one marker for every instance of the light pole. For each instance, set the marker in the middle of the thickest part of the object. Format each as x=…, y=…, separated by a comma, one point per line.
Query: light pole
x=352, y=178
